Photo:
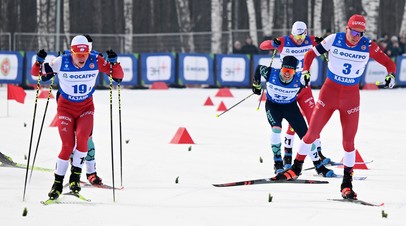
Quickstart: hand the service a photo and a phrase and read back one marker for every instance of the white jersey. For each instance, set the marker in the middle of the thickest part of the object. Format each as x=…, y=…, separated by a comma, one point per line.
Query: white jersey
x=346, y=64
x=298, y=51
x=75, y=84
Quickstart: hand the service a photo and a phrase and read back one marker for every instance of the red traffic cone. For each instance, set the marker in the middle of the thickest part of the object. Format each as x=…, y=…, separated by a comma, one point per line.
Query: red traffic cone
x=208, y=102
x=359, y=162
x=224, y=92
x=182, y=137
x=159, y=85
x=54, y=122
x=222, y=107
x=44, y=94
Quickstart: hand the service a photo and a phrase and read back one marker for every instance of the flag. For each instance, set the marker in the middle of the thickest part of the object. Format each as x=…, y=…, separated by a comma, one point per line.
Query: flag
x=15, y=93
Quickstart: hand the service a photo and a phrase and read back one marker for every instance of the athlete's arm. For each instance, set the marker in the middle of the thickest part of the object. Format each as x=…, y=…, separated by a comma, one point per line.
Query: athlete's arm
x=376, y=53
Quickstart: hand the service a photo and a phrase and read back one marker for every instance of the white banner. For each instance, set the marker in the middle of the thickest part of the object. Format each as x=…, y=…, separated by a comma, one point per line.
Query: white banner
x=196, y=68
x=8, y=67
x=158, y=68
x=233, y=69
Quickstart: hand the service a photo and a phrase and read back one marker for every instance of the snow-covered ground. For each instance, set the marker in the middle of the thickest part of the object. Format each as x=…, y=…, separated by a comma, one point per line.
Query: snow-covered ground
x=227, y=149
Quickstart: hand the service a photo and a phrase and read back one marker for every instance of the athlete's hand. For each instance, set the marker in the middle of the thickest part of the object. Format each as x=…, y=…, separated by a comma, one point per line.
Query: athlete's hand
x=390, y=81
x=305, y=78
x=41, y=56
x=111, y=56
x=276, y=43
x=256, y=88
x=318, y=39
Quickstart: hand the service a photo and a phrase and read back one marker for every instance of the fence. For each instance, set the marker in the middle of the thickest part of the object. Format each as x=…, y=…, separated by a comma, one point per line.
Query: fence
x=199, y=42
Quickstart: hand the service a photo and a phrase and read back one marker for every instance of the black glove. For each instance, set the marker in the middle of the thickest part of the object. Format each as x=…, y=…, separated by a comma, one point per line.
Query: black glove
x=41, y=56
x=118, y=80
x=256, y=88
x=390, y=81
x=111, y=56
x=318, y=39
x=276, y=43
x=89, y=39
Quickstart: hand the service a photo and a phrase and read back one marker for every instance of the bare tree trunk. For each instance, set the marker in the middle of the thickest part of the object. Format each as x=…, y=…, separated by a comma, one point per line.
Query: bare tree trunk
x=252, y=22
x=185, y=26
x=51, y=24
x=128, y=26
x=230, y=25
x=309, y=15
x=42, y=23
x=216, y=25
x=267, y=13
x=402, y=31
x=317, y=17
x=371, y=7
x=3, y=15
x=66, y=22
x=339, y=18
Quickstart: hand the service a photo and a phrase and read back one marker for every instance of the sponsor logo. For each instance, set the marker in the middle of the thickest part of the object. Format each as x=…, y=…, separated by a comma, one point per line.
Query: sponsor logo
x=77, y=98
x=5, y=66
x=363, y=47
x=320, y=102
x=82, y=76
x=86, y=113
x=65, y=118
x=195, y=69
x=354, y=110
x=65, y=75
x=349, y=55
x=91, y=65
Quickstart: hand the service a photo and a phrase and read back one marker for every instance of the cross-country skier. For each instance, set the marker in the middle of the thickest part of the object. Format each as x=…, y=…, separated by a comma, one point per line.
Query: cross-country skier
x=348, y=54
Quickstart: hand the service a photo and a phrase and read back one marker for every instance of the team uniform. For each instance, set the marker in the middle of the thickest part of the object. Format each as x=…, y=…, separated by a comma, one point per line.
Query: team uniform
x=75, y=108
x=281, y=104
x=348, y=57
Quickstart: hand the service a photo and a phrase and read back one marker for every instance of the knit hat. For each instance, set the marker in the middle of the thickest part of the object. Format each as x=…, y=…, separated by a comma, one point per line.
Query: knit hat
x=289, y=62
x=358, y=22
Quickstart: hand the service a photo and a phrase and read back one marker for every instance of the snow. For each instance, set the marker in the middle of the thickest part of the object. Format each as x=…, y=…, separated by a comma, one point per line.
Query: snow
x=228, y=148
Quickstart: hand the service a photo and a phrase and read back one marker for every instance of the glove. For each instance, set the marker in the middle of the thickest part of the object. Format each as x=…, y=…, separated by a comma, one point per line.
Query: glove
x=318, y=39
x=390, y=81
x=256, y=88
x=276, y=43
x=41, y=56
x=111, y=56
x=305, y=78
x=89, y=39
x=118, y=80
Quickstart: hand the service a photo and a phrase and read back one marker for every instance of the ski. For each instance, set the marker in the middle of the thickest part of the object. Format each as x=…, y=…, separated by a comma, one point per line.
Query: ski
x=6, y=161
x=357, y=201
x=270, y=181
x=338, y=164
x=341, y=176
x=102, y=186
x=60, y=199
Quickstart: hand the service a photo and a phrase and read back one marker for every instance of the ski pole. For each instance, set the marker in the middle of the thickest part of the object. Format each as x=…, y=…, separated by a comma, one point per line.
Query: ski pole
x=218, y=115
x=263, y=90
x=42, y=125
x=111, y=129
x=32, y=131
x=121, y=137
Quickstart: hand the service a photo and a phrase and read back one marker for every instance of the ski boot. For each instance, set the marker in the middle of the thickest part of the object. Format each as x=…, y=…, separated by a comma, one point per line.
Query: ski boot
x=94, y=179
x=346, y=186
x=278, y=167
x=287, y=158
x=74, y=180
x=290, y=174
x=57, y=187
x=323, y=158
x=322, y=170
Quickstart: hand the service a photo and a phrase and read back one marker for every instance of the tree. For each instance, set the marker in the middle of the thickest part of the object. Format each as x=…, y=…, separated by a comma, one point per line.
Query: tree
x=339, y=12
x=185, y=26
x=317, y=17
x=371, y=7
x=216, y=25
x=252, y=21
x=267, y=14
x=128, y=26
x=66, y=22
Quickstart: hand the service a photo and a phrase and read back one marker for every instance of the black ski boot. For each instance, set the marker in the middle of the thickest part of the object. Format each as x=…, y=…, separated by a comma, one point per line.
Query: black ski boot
x=57, y=187
x=323, y=158
x=287, y=158
x=292, y=173
x=346, y=185
x=74, y=180
x=322, y=170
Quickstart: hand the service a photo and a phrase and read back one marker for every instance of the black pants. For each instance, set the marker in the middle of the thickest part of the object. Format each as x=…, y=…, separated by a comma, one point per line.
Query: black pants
x=291, y=112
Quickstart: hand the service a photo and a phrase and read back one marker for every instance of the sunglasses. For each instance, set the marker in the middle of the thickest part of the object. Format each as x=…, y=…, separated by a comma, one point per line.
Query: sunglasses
x=288, y=70
x=356, y=33
x=80, y=54
x=302, y=36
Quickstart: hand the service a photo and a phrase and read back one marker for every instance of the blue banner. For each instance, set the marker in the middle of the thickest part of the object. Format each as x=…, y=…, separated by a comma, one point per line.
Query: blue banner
x=233, y=70
x=374, y=72
x=158, y=67
x=30, y=58
x=11, y=67
x=195, y=69
x=401, y=71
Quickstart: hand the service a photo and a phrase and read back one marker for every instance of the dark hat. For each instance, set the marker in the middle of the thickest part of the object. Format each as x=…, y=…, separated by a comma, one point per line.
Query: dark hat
x=289, y=62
